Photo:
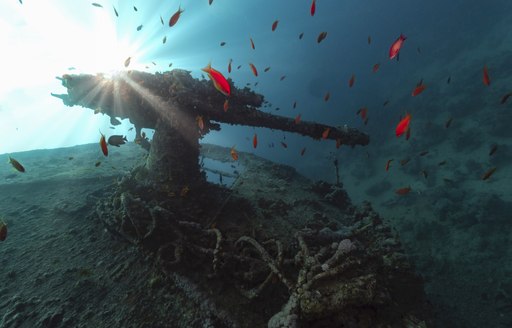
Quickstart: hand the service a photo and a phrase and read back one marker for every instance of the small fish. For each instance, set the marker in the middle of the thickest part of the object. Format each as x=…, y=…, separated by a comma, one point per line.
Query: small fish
x=486, y=79
x=424, y=173
x=327, y=96
x=117, y=140
x=448, y=123
x=130, y=129
x=161, y=20
x=301, y=36
x=403, y=125
x=388, y=163
x=266, y=69
x=253, y=69
x=408, y=134
x=255, y=141
x=3, y=228
x=321, y=37
x=115, y=11
x=219, y=81
x=200, y=122
x=351, y=81
x=376, y=67
x=139, y=27
x=103, y=145
x=70, y=158
x=238, y=67
x=114, y=121
x=325, y=134
x=419, y=50
x=98, y=163
x=489, y=173
x=164, y=40
x=252, y=44
x=210, y=2
x=282, y=77
x=449, y=80
x=222, y=44
x=403, y=191
x=17, y=165
x=404, y=161
x=234, y=153
x=226, y=105
x=441, y=163
x=294, y=104
x=505, y=98
x=229, y=65
x=396, y=46
x=493, y=149
x=153, y=63
x=135, y=8
x=175, y=17
x=284, y=145
x=297, y=119
x=338, y=143
x=363, y=112
x=127, y=61
x=385, y=103
x=419, y=89
x=312, y=10
x=95, y=4
x=170, y=64
x=274, y=25
x=423, y=153
x=369, y=39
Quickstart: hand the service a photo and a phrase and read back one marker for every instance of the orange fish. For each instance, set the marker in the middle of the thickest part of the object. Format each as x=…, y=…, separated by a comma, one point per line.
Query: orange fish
x=488, y=174
x=419, y=89
x=403, y=191
x=219, y=81
x=103, y=145
x=297, y=119
x=313, y=8
x=284, y=145
x=17, y=165
x=3, y=230
x=175, y=17
x=486, y=78
x=234, y=154
x=274, y=25
x=252, y=44
x=229, y=65
x=226, y=105
x=200, y=122
x=403, y=125
x=302, y=151
x=325, y=134
x=327, y=96
x=396, y=46
x=376, y=67
x=321, y=36
x=253, y=69
x=351, y=81
x=388, y=164
x=255, y=141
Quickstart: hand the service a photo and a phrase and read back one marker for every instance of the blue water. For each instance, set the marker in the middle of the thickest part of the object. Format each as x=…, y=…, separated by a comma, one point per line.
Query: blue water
x=455, y=225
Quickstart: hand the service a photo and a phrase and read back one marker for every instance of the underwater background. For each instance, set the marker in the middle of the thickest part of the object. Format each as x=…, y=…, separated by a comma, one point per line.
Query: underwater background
x=445, y=190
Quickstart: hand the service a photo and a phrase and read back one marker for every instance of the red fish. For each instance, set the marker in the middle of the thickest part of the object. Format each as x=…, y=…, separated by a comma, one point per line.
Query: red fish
x=419, y=89
x=3, y=230
x=351, y=81
x=103, y=145
x=486, y=78
x=313, y=8
x=255, y=141
x=274, y=25
x=302, y=151
x=252, y=44
x=403, y=125
x=376, y=67
x=388, y=164
x=253, y=69
x=325, y=134
x=297, y=119
x=403, y=191
x=396, y=46
x=229, y=65
x=234, y=153
x=175, y=17
x=226, y=105
x=219, y=81
x=363, y=112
